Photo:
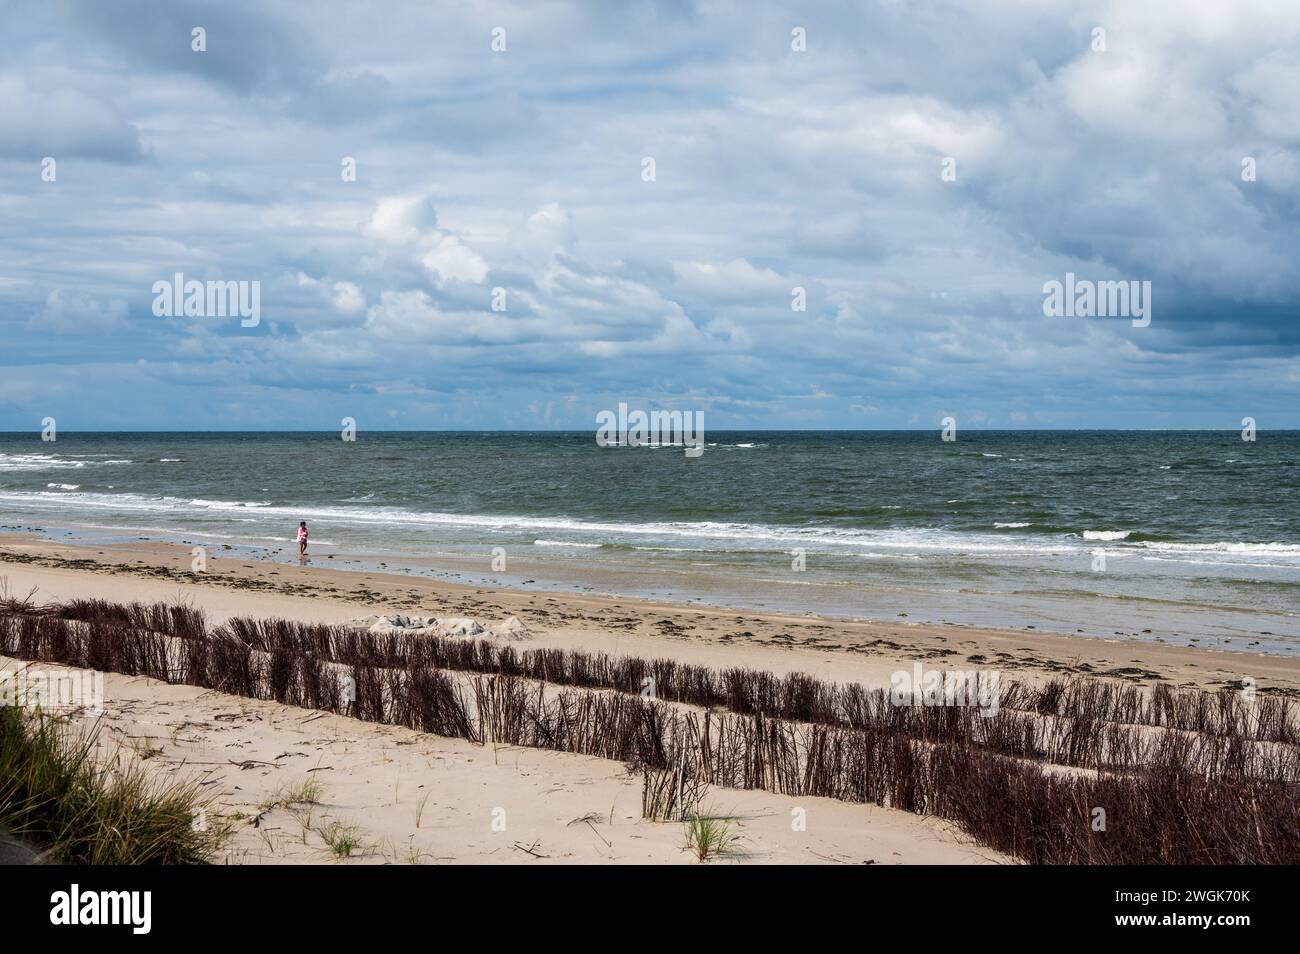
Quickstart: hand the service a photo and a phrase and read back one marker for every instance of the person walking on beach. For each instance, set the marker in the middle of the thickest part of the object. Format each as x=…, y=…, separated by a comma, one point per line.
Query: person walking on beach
x=302, y=538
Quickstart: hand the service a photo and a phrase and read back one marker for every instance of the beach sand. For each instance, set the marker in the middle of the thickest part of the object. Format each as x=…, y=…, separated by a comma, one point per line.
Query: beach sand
x=418, y=797
x=830, y=648
x=414, y=798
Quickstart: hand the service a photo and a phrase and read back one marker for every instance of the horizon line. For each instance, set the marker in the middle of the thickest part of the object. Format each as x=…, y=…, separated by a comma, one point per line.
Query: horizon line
x=747, y=430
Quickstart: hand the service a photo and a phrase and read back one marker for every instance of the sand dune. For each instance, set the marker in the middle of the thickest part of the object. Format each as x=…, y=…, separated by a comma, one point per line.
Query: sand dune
x=415, y=798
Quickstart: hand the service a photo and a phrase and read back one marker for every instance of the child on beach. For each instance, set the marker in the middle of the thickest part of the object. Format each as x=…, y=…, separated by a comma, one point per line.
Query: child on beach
x=302, y=538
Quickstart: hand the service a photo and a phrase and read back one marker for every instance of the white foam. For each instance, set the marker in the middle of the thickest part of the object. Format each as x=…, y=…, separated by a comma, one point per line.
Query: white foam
x=38, y=462
x=1245, y=549
x=666, y=536
x=227, y=504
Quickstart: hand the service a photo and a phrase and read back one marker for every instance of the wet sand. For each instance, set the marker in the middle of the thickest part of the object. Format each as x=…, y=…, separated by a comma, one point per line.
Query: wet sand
x=830, y=648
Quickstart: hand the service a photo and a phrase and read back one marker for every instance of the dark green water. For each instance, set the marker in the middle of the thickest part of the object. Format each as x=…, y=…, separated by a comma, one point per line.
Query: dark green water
x=1199, y=531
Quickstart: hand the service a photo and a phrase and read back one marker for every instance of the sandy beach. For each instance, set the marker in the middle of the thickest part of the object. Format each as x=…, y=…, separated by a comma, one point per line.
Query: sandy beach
x=831, y=648
x=412, y=797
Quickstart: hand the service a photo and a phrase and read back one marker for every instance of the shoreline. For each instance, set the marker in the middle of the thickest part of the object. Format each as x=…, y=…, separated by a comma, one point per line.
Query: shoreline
x=829, y=647
x=954, y=565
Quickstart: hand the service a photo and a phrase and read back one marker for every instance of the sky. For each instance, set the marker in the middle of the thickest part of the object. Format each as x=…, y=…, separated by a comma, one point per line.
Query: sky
x=919, y=168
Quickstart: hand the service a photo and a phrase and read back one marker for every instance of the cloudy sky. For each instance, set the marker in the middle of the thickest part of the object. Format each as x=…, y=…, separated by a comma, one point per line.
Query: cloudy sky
x=524, y=169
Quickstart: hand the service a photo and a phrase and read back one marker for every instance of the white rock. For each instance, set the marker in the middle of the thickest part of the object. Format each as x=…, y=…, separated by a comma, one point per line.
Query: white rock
x=510, y=628
x=422, y=625
x=396, y=623
x=462, y=626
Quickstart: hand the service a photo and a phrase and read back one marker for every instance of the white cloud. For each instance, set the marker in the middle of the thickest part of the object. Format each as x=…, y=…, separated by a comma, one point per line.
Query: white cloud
x=402, y=219
x=449, y=259
x=1271, y=84
x=734, y=281
x=70, y=312
x=348, y=298
x=411, y=222
x=414, y=317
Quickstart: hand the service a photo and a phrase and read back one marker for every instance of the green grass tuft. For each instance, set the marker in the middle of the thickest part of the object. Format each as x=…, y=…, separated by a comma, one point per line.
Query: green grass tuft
x=341, y=839
x=56, y=796
x=711, y=836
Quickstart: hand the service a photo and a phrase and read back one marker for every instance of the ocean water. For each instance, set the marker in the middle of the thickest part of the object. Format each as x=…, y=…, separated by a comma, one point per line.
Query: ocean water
x=1191, y=535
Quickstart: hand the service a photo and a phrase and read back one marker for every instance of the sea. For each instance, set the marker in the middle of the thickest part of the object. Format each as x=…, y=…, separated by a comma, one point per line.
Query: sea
x=1189, y=537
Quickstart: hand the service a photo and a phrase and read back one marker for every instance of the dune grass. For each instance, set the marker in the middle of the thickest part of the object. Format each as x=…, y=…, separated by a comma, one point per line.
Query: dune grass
x=307, y=792
x=710, y=836
x=341, y=839
x=73, y=808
